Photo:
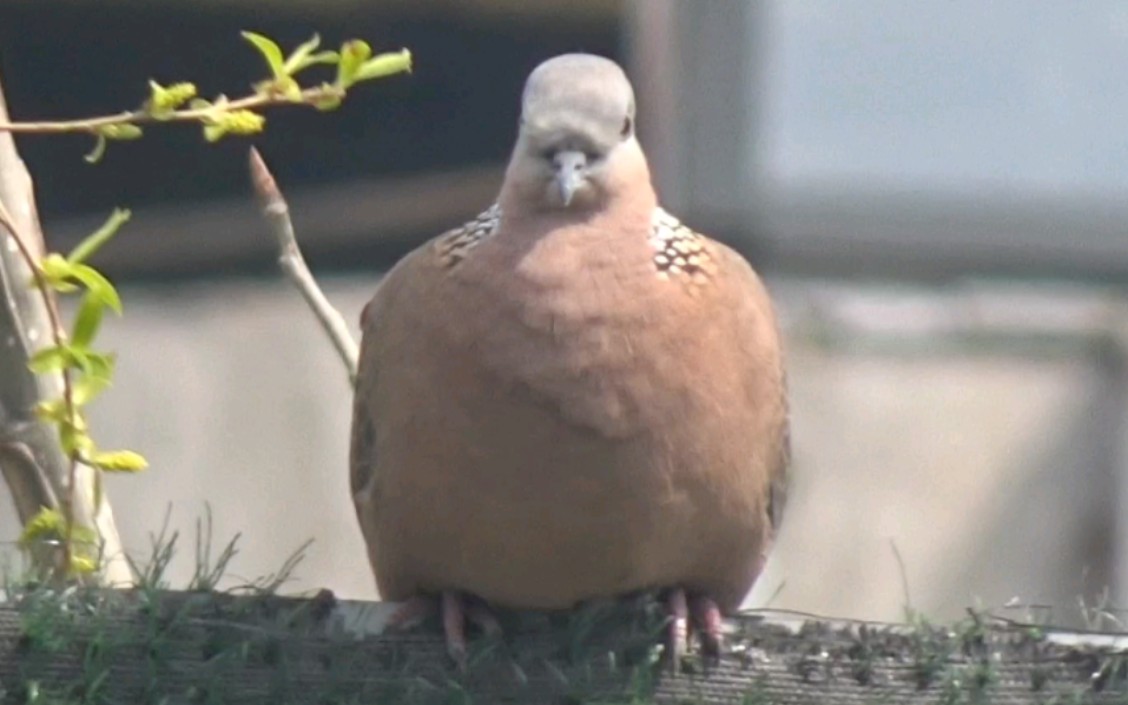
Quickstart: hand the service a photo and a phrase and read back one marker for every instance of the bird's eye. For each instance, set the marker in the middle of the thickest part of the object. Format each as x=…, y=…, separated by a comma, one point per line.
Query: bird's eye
x=625, y=132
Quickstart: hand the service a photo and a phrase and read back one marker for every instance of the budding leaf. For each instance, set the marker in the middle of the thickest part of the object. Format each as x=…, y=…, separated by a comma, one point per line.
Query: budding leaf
x=55, y=267
x=163, y=100
x=120, y=132
x=353, y=55
x=328, y=99
x=87, y=320
x=82, y=565
x=92, y=242
x=95, y=155
x=87, y=386
x=384, y=65
x=118, y=461
x=46, y=525
x=214, y=132
x=57, y=270
x=50, y=359
x=97, y=372
x=289, y=88
x=269, y=50
x=237, y=122
x=97, y=284
x=74, y=439
x=301, y=54
x=53, y=410
x=304, y=56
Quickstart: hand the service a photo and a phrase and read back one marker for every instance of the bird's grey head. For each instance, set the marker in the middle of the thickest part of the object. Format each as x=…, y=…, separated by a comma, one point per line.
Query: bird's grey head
x=577, y=121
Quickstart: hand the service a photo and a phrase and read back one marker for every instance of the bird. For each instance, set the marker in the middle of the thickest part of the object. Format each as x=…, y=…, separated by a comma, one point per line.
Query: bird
x=572, y=396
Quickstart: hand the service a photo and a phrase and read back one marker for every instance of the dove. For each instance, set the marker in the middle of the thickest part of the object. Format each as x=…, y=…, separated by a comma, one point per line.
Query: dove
x=572, y=396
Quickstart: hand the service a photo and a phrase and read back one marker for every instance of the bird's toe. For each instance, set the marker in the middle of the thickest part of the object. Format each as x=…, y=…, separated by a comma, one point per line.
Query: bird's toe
x=705, y=618
x=692, y=615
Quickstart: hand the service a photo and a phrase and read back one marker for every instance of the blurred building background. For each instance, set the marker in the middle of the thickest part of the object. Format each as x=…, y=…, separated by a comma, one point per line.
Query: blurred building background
x=937, y=194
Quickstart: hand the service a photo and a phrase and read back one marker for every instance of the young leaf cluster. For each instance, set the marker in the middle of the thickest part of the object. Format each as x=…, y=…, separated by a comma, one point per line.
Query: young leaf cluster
x=86, y=371
x=221, y=116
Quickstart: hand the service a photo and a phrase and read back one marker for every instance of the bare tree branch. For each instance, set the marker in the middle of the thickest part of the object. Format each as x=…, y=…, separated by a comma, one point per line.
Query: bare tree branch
x=277, y=213
x=30, y=487
x=33, y=462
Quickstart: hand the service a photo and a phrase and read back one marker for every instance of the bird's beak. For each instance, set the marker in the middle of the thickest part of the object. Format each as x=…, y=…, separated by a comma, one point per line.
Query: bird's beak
x=570, y=171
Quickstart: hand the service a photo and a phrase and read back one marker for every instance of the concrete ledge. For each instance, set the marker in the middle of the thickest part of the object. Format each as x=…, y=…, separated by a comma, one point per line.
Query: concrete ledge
x=181, y=647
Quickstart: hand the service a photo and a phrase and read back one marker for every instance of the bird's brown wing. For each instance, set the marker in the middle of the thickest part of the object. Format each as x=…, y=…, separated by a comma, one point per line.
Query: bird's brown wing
x=780, y=479
x=750, y=286
x=444, y=252
x=362, y=447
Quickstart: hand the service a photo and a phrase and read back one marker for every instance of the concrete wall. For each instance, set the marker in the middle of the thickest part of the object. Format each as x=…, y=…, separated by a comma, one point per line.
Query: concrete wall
x=993, y=471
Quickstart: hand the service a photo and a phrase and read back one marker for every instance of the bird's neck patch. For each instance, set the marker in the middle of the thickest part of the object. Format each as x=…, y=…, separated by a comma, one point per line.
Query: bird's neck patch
x=456, y=244
x=679, y=251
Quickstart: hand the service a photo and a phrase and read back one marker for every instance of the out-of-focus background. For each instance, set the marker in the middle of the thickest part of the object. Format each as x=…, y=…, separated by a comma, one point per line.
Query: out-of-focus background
x=937, y=193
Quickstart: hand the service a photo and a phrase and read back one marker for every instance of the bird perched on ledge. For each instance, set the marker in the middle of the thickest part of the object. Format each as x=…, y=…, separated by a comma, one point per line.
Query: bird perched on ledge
x=573, y=395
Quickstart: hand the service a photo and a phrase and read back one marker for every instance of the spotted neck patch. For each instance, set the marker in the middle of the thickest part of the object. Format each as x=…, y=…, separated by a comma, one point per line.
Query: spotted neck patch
x=678, y=250
x=456, y=244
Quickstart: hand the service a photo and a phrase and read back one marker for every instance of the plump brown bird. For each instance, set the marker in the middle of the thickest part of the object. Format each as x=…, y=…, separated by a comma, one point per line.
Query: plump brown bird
x=573, y=395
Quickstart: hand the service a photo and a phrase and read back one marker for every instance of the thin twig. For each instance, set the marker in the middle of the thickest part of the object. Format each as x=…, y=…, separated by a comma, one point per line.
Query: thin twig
x=309, y=96
x=277, y=213
x=26, y=480
x=58, y=336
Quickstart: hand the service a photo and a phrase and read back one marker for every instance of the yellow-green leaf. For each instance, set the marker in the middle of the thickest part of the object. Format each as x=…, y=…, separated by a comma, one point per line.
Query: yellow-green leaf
x=304, y=56
x=74, y=439
x=96, y=364
x=384, y=65
x=50, y=359
x=163, y=100
x=87, y=320
x=301, y=52
x=46, y=525
x=329, y=99
x=85, y=388
x=83, y=565
x=286, y=87
x=55, y=268
x=120, y=132
x=322, y=57
x=269, y=50
x=53, y=410
x=239, y=122
x=92, y=242
x=97, y=284
x=118, y=461
x=353, y=54
x=214, y=132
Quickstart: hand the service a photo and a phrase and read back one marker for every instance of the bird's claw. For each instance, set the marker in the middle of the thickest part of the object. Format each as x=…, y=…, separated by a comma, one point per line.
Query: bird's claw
x=456, y=611
x=695, y=615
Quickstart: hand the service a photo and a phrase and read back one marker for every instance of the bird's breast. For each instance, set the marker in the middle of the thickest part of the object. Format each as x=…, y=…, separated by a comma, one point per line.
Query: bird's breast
x=577, y=329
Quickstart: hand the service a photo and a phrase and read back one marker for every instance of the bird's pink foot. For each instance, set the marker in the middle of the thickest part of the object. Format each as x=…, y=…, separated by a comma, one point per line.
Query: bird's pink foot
x=693, y=615
x=705, y=617
x=456, y=611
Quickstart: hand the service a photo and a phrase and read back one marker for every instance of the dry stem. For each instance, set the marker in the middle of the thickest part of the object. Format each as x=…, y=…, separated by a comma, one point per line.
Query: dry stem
x=309, y=96
x=290, y=259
